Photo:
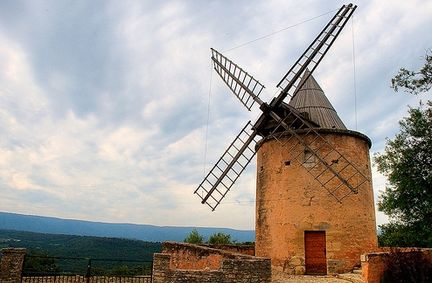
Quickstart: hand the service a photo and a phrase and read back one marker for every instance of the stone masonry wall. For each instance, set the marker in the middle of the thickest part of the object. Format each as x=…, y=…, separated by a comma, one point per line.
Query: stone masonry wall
x=290, y=201
x=180, y=262
x=189, y=256
x=11, y=265
x=374, y=264
x=240, y=249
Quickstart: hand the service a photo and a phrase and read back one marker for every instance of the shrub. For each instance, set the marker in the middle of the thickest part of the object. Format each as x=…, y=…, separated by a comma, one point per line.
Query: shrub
x=220, y=239
x=413, y=266
x=194, y=238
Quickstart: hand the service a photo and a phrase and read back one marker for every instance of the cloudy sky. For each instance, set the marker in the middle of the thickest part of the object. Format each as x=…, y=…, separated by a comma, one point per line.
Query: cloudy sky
x=109, y=111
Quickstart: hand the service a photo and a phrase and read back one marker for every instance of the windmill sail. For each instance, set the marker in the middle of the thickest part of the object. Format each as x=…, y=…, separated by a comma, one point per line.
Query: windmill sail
x=244, y=86
x=226, y=171
x=338, y=175
x=314, y=53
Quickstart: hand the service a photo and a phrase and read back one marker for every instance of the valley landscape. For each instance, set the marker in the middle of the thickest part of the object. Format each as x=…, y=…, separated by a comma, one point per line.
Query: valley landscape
x=150, y=233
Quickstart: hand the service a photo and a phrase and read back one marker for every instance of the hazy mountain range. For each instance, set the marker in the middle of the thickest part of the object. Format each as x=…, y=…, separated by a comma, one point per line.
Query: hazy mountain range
x=152, y=233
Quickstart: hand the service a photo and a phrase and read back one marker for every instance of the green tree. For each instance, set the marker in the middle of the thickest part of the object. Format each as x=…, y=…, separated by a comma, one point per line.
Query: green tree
x=38, y=262
x=415, y=82
x=194, y=238
x=407, y=163
x=220, y=239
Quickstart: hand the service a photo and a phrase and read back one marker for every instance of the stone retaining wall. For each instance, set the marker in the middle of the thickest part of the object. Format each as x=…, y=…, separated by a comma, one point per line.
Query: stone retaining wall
x=240, y=249
x=374, y=264
x=181, y=262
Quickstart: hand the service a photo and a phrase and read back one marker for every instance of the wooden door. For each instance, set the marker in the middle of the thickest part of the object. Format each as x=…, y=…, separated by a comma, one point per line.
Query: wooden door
x=315, y=252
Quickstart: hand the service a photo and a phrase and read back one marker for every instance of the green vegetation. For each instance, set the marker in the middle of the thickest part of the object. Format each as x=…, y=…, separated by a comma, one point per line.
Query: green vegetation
x=40, y=263
x=415, y=82
x=80, y=246
x=220, y=239
x=401, y=267
x=194, y=238
x=109, y=256
x=407, y=163
x=215, y=239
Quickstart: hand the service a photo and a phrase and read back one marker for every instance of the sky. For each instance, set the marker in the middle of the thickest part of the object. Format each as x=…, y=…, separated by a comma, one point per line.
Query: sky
x=110, y=110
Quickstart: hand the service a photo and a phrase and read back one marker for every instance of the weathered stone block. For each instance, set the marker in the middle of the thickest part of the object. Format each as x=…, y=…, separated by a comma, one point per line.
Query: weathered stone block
x=234, y=267
x=11, y=264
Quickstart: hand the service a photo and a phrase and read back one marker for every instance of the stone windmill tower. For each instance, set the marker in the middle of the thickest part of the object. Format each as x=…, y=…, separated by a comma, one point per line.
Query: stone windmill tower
x=314, y=199
x=300, y=226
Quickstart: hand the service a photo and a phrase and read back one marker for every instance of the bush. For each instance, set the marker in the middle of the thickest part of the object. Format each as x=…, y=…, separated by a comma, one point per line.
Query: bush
x=37, y=262
x=220, y=239
x=405, y=267
x=194, y=238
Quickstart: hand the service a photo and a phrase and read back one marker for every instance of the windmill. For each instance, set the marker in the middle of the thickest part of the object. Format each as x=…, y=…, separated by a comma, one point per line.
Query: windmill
x=279, y=119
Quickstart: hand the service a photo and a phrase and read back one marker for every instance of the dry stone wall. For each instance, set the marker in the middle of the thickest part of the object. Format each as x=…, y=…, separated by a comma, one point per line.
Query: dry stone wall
x=239, y=249
x=181, y=262
x=374, y=264
x=11, y=264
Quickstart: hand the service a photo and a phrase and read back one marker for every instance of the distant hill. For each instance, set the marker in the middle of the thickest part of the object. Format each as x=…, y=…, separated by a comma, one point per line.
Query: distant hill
x=151, y=233
x=78, y=246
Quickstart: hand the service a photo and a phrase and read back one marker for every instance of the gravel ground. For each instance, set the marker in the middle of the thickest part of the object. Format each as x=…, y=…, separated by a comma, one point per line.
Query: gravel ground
x=340, y=278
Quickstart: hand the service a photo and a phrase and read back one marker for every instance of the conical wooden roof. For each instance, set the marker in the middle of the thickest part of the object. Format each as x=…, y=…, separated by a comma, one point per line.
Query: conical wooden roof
x=311, y=101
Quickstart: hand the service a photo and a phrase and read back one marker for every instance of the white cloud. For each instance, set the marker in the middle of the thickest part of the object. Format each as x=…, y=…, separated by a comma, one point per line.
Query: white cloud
x=103, y=109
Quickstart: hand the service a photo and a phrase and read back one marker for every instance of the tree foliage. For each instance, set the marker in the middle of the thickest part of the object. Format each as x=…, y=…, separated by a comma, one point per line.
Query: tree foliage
x=415, y=82
x=194, y=238
x=220, y=239
x=215, y=239
x=39, y=262
x=402, y=267
x=43, y=247
x=407, y=163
